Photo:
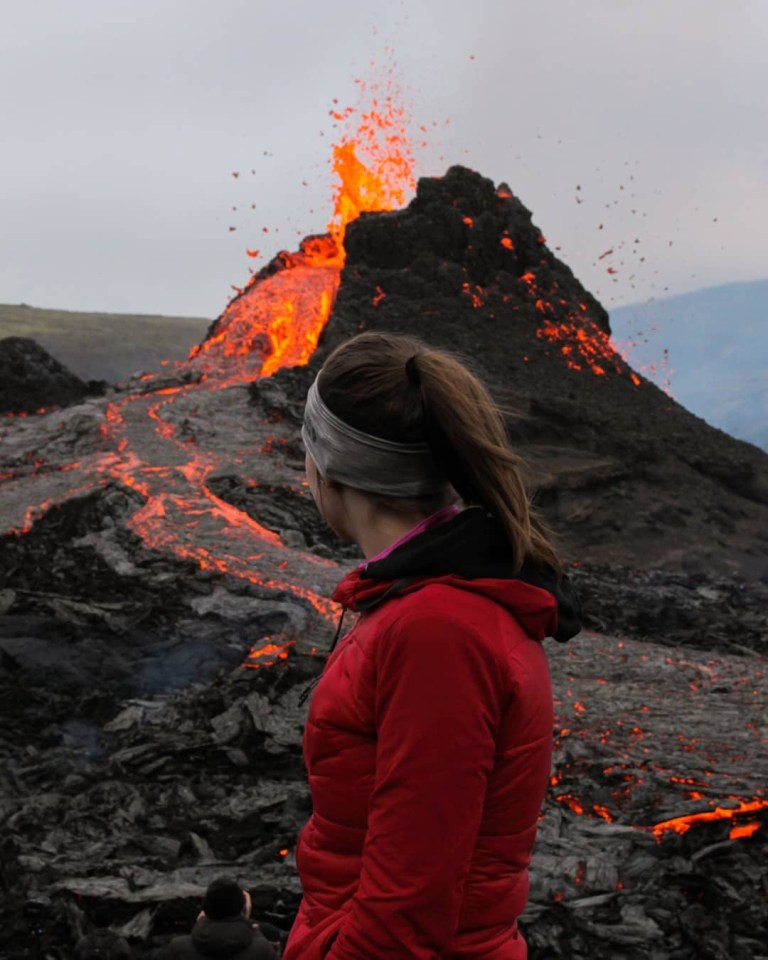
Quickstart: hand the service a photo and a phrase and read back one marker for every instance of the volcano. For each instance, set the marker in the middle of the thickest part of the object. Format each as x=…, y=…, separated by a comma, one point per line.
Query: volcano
x=622, y=471
x=163, y=604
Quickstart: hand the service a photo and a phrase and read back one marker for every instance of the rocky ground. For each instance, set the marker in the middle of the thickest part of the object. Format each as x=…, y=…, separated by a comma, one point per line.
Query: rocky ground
x=137, y=801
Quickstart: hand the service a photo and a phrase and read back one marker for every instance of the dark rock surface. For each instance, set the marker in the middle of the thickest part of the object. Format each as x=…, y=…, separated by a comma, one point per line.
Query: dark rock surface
x=31, y=379
x=126, y=785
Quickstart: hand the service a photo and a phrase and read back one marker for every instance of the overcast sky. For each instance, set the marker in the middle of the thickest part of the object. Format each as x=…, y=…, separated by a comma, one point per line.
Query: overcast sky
x=123, y=121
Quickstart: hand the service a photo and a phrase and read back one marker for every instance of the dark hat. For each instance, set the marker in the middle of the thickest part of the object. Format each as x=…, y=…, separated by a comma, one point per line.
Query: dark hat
x=223, y=899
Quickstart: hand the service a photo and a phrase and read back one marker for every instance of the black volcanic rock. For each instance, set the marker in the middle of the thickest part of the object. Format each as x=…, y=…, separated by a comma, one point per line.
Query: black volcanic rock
x=624, y=473
x=459, y=234
x=30, y=378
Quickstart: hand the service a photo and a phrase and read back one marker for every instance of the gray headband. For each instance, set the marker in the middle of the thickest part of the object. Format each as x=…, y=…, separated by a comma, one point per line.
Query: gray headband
x=359, y=460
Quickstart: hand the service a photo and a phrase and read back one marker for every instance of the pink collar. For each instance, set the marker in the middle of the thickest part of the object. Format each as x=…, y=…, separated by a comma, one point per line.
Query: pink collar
x=440, y=516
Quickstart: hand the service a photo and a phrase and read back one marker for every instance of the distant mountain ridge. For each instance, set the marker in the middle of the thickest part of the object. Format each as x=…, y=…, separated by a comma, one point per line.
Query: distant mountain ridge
x=104, y=346
x=717, y=352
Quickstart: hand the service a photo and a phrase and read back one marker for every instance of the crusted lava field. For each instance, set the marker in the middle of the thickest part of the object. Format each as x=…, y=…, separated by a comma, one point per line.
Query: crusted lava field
x=163, y=604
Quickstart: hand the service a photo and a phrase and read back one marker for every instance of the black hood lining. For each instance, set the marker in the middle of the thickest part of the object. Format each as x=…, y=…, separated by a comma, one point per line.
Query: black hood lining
x=471, y=545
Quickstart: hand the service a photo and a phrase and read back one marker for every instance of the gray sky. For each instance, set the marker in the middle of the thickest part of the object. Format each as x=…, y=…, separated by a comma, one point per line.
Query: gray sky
x=123, y=121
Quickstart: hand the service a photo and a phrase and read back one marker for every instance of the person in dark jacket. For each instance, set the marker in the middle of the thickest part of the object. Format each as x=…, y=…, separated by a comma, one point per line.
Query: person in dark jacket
x=223, y=929
x=429, y=735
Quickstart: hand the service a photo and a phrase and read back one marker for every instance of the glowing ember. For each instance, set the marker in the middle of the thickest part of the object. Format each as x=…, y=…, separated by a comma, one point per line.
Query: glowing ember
x=474, y=293
x=378, y=296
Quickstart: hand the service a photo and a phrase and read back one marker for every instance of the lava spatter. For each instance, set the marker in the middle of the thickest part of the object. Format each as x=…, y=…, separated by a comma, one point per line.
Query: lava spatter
x=277, y=319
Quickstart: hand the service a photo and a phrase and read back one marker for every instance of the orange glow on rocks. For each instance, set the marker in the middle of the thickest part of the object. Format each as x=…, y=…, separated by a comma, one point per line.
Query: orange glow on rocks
x=655, y=778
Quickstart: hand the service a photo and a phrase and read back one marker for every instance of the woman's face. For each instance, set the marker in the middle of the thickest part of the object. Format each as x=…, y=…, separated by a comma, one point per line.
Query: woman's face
x=328, y=499
x=313, y=479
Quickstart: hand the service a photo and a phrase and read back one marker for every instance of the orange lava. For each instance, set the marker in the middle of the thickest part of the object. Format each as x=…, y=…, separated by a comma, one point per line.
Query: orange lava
x=268, y=655
x=745, y=830
x=684, y=824
x=277, y=319
x=273, y=323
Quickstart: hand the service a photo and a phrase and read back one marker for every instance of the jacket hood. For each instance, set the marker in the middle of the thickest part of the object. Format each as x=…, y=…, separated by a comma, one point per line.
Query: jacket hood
x=222, y=938
x=470, y=552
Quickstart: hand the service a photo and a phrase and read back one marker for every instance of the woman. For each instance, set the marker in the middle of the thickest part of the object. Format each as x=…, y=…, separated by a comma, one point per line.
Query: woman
x=428, y=739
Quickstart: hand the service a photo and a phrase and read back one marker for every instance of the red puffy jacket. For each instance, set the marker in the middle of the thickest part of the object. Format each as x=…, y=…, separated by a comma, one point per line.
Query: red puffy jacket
x=428, y=749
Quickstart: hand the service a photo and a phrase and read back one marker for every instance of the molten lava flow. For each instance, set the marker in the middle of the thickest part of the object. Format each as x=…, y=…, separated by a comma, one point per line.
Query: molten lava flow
x=268, y=654
x=683, y=824
x=745, y=830
x=276, y=320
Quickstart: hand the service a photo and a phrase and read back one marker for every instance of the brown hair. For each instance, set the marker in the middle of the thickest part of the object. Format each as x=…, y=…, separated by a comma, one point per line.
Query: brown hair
x=397, y=388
